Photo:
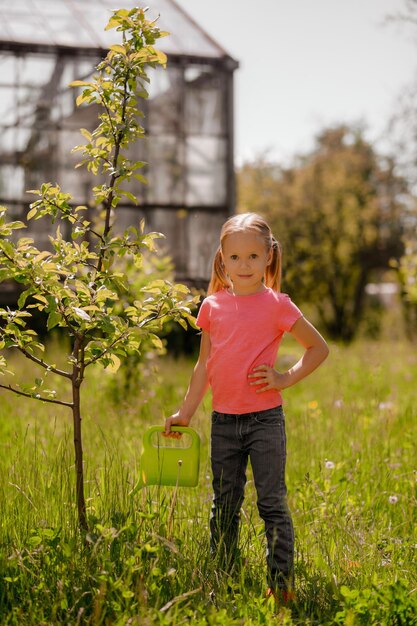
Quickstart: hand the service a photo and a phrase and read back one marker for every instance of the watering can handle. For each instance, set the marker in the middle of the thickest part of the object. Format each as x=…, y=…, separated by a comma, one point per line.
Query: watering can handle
x=160, y=429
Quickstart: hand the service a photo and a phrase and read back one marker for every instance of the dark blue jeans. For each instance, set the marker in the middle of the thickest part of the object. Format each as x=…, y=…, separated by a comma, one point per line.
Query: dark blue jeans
x=260, y=437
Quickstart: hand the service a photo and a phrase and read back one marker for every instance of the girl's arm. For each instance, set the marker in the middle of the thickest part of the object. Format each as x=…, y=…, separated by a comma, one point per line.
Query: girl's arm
x=195, y=392
x=316, y=350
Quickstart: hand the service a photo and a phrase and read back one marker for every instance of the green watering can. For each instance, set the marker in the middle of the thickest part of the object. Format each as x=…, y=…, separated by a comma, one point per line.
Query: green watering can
x=167, y=465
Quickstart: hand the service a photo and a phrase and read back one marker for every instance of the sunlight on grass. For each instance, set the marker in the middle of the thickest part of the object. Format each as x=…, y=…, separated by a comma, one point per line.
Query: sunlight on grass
x=351, y=473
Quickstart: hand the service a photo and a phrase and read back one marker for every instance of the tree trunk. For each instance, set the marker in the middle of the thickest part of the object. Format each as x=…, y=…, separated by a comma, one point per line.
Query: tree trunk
x=77, y=377
x=79, y=468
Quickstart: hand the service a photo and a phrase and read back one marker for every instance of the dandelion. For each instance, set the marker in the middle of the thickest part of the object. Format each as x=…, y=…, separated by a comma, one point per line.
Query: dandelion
x=313, y=404
x=329, y=465
x=393, y=499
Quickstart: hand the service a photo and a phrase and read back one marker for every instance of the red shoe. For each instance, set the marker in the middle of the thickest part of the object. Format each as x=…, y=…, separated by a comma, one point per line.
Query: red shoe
x=281, y=596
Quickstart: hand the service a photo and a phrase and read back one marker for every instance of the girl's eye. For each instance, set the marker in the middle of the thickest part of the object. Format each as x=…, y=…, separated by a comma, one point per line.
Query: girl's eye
x=233, y=257
x=253, y=256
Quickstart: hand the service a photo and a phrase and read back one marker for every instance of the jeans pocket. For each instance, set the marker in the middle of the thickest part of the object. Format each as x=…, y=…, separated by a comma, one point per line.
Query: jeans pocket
x=270, y=417
x=215, y=417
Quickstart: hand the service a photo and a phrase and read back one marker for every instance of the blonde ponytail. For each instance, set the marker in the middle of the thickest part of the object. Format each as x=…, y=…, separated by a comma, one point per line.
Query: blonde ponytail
x=219, y=278
x=273, y=270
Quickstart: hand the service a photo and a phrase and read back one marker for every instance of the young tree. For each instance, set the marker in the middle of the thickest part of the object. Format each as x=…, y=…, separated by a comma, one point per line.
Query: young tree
x=337, y=211
x=78, y=284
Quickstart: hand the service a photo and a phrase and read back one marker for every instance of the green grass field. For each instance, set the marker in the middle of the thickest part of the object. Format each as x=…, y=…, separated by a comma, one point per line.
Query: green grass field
x=352, y=480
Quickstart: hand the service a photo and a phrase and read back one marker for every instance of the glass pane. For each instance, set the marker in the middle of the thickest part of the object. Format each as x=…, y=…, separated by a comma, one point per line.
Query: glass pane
x=165, y=173
x=7, y=68
x=173, y=225
x=7, y=106
x=34, y=69
x=164, y=104
x=205, y=171
x=12, y=180
x=204, y=101
x=203, y=228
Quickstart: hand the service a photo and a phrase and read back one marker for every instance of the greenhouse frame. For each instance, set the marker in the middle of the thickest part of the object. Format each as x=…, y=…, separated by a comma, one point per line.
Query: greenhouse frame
x=188, y=117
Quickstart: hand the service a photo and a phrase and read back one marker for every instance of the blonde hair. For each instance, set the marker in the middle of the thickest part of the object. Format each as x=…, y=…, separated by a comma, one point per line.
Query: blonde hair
x=242, y=223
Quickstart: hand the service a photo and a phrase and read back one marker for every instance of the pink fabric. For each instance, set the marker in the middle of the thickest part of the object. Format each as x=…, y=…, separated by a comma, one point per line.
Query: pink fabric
x=245, y=331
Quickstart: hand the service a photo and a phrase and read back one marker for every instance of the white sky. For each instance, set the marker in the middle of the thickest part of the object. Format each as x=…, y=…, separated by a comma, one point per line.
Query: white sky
x=305, y=64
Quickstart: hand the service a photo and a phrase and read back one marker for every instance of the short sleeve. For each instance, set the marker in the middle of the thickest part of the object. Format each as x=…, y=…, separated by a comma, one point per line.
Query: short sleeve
x=203, y=317
x=288, y=312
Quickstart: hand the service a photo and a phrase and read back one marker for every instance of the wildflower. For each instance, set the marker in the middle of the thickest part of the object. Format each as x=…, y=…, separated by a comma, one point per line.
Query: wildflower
x=393, y=499
x=385, y=406
x=313, y=404
x=338, y=404
x=329, y=465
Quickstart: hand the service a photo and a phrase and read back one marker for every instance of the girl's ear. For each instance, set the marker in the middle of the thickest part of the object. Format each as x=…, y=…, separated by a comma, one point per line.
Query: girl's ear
x=269, y=259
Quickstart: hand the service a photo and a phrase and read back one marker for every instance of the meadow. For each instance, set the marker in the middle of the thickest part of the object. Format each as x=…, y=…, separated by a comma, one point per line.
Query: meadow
x=351, y=475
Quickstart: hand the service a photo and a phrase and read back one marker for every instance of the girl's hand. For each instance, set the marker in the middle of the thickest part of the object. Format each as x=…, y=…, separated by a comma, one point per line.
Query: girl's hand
x=174, y=420
x=268, y=378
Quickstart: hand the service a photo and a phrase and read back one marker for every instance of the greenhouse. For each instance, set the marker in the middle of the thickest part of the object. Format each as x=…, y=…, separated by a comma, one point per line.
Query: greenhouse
x=46, y=44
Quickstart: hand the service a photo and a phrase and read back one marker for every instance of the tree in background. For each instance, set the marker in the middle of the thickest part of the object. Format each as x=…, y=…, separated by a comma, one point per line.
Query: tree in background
x=337, y=212
x=402, y=130
x=403, y=134
x=407, y=272
x=81, y=285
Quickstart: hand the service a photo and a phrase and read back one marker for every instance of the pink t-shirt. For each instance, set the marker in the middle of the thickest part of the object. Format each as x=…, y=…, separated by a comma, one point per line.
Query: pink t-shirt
x=245, y=331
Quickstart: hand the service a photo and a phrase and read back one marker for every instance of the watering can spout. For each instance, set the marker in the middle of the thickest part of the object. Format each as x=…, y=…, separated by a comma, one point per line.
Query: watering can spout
x=163, y=465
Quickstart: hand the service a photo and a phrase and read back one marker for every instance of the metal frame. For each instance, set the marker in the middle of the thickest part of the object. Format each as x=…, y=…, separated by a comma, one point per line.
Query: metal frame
x=222, y=64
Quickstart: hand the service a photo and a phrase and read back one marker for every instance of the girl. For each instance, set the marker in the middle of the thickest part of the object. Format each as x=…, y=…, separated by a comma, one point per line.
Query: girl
x=243, y=320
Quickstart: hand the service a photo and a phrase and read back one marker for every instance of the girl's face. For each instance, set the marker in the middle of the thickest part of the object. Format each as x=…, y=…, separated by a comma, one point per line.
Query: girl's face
x=245, y=259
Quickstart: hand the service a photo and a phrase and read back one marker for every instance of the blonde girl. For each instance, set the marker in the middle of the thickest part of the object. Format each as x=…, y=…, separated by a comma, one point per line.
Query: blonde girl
x=243, y=320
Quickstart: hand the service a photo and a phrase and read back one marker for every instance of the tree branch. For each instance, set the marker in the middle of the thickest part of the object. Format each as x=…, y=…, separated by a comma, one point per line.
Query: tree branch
x=28, y=395
x=44, y=292
x=77, y=221
x=118, y=137
x=122, y=336
x=42, y=363
x=99, y=356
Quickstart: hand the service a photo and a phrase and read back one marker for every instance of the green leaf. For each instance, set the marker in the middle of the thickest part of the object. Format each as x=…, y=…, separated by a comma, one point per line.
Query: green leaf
x=129, y=195
x=114, y=364
x=141, y=178
x=183, y=323
x=24, y=296
x=83, y=97
x=119, y=49
x=35, y=540
x=161, y=56
x=53, y=320
x=156, y=341
x=86, y=133
x=81, y=314
x=80, y=83
x=112, y=23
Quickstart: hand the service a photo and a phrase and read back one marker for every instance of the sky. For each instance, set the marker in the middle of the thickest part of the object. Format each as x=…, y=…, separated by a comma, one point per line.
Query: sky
x=308, y=64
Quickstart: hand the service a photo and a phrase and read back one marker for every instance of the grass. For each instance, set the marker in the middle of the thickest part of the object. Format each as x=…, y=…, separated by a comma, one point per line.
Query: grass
x=351, y=474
